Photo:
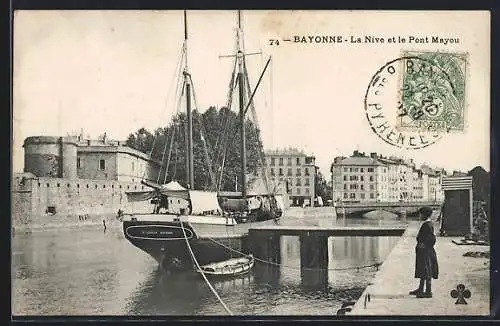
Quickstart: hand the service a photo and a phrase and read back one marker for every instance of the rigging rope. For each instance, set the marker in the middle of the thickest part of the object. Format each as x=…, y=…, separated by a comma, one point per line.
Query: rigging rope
x=227, y=121
x=256, y=130
x=178, y=94
x=229, y=100
x=163, y=158
x=291, y=267
x=203, y=132
x=169, y=92
x=202, y=273
x=172, y=137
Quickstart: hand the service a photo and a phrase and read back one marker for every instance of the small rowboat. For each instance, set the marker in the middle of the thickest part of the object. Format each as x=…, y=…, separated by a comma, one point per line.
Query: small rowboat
x=228, y=268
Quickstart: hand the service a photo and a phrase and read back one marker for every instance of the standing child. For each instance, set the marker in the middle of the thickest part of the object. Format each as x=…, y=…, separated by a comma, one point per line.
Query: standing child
x=426, y=264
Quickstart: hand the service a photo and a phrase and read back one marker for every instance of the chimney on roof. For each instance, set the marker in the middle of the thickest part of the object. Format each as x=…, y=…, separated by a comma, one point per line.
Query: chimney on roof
x=104, y=138
x=373, y=155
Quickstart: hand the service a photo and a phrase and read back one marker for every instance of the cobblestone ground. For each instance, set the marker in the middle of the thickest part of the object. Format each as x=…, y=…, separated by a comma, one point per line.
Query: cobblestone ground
x=388, y=293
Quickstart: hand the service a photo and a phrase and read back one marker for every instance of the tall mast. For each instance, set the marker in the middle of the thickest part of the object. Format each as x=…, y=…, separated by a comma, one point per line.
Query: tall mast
x=241, y=89
x=189, y=133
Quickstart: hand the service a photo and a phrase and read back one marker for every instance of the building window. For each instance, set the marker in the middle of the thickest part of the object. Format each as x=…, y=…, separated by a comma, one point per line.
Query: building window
x=362, y=187
x=350, y=169
x=272, y=171
x=281, y=161
x=299, y=172
x=289, y=172
x=371, y=178
x=345, y=186
x=289, y=161
x=102, y=164
x=370, y=169
x=78, y=163
x=298, y=182
x=298, y=191
x=372, y=196
x=362, y=195
x=362, y=170
x=362, y=178
x=345, y=195
x=307, y=191
x=371, y=187
x=281, y=171
x=356, y=170
x=298, y=160
x=306, y=172
x=345, y=169
x=307, y=182
x=352, y=195
x=345, y=178
x=273, y=161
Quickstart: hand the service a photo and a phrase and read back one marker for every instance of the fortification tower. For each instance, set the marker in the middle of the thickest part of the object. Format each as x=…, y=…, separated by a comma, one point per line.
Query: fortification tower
x=48, y=156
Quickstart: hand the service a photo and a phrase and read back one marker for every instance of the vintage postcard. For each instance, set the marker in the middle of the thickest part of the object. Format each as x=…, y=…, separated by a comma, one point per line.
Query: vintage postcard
x=197, y=163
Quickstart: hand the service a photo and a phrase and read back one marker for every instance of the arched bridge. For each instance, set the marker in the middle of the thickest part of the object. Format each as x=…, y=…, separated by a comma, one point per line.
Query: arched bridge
x=399, y=208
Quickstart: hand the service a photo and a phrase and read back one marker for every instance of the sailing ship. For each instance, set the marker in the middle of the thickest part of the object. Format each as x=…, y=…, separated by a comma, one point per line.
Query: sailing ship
x=214, y=222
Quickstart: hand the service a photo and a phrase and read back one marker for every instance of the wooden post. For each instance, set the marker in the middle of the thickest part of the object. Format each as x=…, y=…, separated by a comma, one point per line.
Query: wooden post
x=265, y=246
x=313, y=251
x=314, y=261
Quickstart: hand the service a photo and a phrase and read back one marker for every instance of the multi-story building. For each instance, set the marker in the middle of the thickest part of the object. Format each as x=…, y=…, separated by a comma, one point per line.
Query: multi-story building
x=297, y=170
x=357, y=178
x=431, y=183
x=370, y=178
x=400, y=178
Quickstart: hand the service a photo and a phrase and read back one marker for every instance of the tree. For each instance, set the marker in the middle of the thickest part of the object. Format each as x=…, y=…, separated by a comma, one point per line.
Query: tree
x=221, y=134
x=321, y=187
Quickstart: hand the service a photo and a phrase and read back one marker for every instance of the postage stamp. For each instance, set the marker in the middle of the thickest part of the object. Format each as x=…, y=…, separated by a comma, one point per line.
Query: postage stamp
x=383, y=108
x=432, y=96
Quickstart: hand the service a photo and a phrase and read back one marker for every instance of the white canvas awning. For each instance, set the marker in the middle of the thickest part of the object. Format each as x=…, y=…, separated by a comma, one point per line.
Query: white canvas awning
x=203, y=201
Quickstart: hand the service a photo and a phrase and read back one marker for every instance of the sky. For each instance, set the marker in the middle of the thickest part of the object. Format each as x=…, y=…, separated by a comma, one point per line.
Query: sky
x=111, y=71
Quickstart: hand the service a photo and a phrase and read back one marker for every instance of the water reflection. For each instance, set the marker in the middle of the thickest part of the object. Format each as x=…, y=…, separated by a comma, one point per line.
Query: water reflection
x=89, y=272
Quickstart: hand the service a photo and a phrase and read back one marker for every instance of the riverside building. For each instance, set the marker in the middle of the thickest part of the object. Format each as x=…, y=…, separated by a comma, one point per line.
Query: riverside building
x=297, y=170
x=374, y=178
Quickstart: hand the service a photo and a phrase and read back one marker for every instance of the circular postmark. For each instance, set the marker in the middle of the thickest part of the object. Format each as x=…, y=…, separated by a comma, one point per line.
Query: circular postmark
x=412, y=101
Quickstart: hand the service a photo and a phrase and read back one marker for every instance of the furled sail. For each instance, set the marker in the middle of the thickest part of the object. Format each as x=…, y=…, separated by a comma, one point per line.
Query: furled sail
x=140, y=195
x=171, y=189
x=203, y=201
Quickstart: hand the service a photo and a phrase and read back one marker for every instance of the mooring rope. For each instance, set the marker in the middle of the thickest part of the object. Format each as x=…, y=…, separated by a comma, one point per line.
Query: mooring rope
x=291, y=267
x=202, y=273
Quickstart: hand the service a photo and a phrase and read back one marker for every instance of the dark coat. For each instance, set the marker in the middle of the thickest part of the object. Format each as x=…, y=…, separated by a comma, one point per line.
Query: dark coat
x=426, y=265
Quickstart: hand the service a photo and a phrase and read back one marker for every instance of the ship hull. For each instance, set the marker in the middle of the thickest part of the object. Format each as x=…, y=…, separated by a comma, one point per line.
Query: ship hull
x=163, y=239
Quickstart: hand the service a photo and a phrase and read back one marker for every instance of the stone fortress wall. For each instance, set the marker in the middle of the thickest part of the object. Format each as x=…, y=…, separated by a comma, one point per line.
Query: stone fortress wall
x=42, y=200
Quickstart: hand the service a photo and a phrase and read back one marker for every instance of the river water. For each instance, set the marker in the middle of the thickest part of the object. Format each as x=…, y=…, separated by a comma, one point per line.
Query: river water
x=91, y=272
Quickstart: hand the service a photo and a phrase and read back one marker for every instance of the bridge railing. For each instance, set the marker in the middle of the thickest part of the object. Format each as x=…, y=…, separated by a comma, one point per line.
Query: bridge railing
x=390, y=204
